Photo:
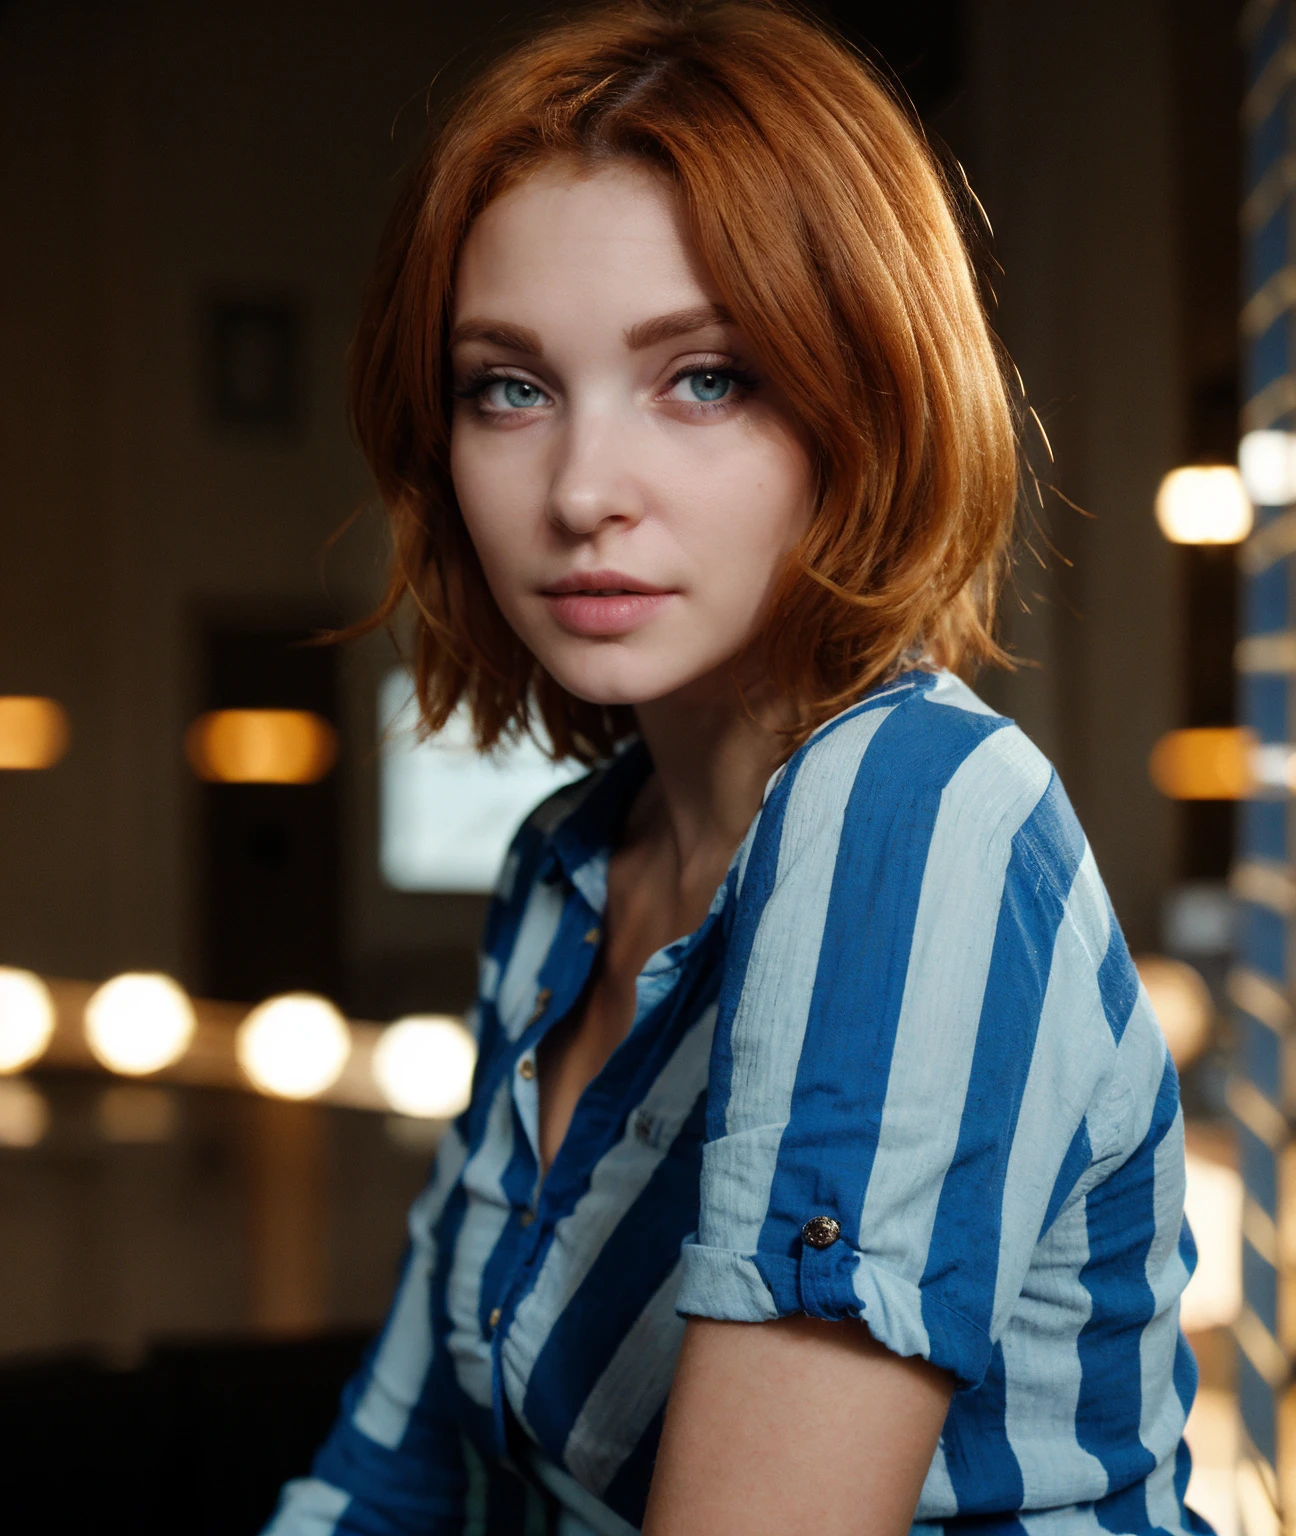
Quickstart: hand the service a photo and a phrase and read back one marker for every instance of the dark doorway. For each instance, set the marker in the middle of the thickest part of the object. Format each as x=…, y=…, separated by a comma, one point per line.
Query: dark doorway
x=271, y=897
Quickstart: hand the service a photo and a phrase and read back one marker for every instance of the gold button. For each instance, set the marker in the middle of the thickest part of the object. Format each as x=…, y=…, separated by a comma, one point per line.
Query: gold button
x=527, y=1068
x=821, y=1232
x=594, y=935
x=526, y=1218
x=495, y=1316
x=541, y=1003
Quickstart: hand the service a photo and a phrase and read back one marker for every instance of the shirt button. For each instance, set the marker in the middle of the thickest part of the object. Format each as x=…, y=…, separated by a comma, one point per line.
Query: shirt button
x=541, y=1003
x=525, y=1218
x=494, y=1317
x=527, y=1068
x=821, y=1232
x=593, y=935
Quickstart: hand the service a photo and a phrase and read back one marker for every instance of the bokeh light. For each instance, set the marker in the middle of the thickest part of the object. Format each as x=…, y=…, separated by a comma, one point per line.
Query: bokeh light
x=1267, y=462
x=293, y=1046
x=1213, y=1206
x=424, y=1066
x=1182, y=1003
x=27, y=1017
x=24, y=1113
x=1206, y=763
x=139, y=1022
x=1204, y=504
x=261, y=746
x=34, y=733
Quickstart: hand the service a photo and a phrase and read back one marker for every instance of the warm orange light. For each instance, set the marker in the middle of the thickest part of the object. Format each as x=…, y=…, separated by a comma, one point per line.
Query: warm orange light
x=34, y=732
x=261, y=746
x=1206, y=764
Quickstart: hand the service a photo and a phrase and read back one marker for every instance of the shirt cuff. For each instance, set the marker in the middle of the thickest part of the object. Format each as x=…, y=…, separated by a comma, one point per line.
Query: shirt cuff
x=834, y=1283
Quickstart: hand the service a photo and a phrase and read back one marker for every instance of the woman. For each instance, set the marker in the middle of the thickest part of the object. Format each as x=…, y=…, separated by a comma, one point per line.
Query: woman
x=824, y=1166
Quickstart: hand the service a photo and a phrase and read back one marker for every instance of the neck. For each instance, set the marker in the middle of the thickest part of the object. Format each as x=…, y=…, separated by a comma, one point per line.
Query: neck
x=713, y=754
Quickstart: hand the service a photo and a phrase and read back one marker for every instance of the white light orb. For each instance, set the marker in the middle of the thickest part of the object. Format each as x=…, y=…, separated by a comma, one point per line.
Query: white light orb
x=139, y=1022
x=26, y=1018
x=424, y=1066
x=1267, y=461
x=1204, y=504
x=24, y=1113
x=293, y=1046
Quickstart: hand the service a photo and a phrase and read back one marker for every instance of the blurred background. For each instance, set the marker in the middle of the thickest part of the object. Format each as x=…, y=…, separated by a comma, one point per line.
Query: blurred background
x=227, y=869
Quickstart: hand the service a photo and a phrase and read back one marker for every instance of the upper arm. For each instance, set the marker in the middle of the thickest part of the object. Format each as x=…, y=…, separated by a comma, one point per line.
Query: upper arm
x=910, y=1032
x=793, y=1425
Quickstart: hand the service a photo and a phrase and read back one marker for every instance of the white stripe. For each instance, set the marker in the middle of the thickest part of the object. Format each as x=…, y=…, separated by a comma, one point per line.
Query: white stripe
x=618, y=1179
x=937, y=1501
x=308, y=1507
x=954, y=692
x=983, y=806
x=401, y=1363
x=1162, y=1500
x=1141, y=1061
x=769, y=1025
x=1074, y=1051
x=535, y=936
x=632, y=1388
x=1067, y=1521
x=1042, y=1368
x=581, y=1514
x=488, y=975
x=507, y=875
x=1162, y=1415
x=484, y=1220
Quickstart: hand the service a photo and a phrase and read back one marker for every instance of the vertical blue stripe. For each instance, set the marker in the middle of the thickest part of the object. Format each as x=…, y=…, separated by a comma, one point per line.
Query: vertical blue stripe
x=632, y=1264
x=1077, y=1159
x=983, y=1470
x=1118, y=980
x=962, y=1261
x=1121, y=1219
x=826, y=1154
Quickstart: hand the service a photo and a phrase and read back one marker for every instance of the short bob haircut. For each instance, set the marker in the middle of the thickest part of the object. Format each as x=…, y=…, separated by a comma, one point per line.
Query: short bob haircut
x=833, y=239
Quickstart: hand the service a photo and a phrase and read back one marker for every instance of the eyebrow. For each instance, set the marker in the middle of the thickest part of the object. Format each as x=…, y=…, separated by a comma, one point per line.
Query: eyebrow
x=648, y=333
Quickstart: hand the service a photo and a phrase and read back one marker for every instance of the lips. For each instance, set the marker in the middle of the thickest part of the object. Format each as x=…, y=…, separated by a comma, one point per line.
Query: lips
x=603, y=603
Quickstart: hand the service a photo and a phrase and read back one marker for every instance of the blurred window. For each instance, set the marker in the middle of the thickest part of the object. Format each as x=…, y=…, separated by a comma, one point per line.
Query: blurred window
x=448, y=813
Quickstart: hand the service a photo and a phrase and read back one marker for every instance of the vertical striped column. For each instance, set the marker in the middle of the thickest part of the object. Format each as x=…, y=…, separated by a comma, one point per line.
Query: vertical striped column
x=1263, y=1090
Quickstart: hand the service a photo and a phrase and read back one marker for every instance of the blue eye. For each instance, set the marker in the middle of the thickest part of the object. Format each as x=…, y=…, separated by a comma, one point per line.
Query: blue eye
x=709, y=386
x=518, y=394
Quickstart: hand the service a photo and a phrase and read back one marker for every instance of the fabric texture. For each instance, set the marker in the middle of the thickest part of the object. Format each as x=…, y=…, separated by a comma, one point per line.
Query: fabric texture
x=910, y=1009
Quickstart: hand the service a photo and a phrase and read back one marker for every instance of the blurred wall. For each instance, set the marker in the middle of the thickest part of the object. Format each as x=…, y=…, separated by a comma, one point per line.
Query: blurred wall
x=1068, y=130
x=152, y=156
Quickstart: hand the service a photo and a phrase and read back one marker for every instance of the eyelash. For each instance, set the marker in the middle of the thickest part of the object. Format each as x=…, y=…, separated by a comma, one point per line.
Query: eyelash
x=475, y=385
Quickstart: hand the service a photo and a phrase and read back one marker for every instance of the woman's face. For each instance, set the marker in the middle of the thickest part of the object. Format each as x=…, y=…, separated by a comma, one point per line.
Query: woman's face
x=630, y=483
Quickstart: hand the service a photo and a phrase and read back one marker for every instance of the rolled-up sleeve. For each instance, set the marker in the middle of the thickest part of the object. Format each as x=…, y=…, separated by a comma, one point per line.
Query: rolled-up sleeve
x=910, y=1031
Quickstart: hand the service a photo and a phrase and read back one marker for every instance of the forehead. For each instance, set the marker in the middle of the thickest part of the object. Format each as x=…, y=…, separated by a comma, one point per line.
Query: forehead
x=580, y=245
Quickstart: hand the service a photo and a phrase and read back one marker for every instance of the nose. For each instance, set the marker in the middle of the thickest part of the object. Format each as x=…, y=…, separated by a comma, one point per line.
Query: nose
x=593, y=480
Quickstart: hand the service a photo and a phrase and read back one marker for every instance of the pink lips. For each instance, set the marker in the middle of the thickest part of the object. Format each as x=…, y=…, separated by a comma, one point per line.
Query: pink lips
x=597, y=603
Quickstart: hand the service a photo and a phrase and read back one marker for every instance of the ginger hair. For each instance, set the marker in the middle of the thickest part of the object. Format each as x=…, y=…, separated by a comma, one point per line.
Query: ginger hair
x=834, y=240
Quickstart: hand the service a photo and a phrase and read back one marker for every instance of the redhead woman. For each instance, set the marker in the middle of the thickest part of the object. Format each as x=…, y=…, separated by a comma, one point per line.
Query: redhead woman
x=824, y=1166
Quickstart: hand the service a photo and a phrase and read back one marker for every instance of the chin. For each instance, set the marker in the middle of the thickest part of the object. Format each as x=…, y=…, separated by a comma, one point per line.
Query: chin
x=611, y=680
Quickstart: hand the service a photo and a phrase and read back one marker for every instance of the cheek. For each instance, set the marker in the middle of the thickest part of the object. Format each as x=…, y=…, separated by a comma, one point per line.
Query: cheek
x=491, y=492
x=760, y=504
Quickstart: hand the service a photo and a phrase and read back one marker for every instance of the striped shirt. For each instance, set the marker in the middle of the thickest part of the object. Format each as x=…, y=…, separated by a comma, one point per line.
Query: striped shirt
x=910, y=1009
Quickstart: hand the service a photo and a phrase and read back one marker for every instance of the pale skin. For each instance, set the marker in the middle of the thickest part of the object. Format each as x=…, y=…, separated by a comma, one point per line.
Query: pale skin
x=613, y=424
